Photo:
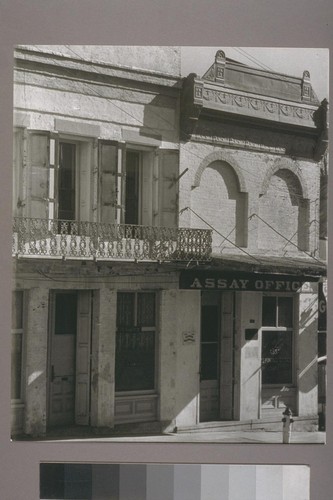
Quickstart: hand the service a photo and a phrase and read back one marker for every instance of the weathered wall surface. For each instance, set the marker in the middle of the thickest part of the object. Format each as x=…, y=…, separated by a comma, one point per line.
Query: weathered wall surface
x=112, y=101
x=153, y=58
x=265, y=182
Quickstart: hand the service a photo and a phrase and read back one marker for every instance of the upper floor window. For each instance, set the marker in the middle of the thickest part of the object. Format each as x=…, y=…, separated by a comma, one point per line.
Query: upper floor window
x=67, y=181
x=138, y=186
x=58, y=176
x=53, y=176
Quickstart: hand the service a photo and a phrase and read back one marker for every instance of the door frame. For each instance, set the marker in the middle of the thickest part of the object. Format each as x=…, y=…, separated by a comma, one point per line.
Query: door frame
x=225, y=301
x=51, y=326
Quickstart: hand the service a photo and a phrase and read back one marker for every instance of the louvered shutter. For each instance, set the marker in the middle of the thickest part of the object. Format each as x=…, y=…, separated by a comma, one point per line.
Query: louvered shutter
x=108, y=159
x=38, y=161
x=83, y=348
x=168, y=188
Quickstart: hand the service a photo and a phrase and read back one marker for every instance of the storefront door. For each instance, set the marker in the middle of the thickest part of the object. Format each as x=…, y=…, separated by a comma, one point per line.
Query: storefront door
x=216, y=357
x=69, y=362
x=209, y=357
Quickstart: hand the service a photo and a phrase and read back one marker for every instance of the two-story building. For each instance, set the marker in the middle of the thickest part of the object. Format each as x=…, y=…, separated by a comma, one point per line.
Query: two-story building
x=165, y=242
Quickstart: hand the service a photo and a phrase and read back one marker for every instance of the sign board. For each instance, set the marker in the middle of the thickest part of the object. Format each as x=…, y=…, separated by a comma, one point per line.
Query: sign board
x=237, y=281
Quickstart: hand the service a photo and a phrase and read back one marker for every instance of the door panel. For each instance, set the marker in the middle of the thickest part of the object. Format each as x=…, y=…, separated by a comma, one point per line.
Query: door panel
x=209, y=383
x=69, y=388
x=62, y=360
x=216, y=385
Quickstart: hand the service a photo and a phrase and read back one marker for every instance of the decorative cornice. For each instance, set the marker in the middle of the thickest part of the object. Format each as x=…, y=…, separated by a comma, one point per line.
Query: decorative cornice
x=258, y=107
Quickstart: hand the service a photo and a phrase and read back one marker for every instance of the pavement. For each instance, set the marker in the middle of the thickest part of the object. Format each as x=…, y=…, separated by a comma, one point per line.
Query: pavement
x=250, y=437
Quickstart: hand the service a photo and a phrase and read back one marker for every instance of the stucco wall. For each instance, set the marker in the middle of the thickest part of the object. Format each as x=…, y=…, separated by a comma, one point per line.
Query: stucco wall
x=112, y=103
x=151, y=58
x=256, y=173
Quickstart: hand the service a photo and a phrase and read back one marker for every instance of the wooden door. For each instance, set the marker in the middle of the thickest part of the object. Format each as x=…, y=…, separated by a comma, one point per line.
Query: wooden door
x=62, y=358
x=209, y=360
x=70, y=343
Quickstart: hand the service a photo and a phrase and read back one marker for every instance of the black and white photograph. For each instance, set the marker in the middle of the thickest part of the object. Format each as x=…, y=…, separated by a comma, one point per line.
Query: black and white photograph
x=169, y=245
x=82, y=481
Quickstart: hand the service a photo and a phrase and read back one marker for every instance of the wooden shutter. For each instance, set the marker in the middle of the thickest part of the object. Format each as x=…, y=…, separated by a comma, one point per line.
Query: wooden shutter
x=38, y=158
x=147, y=189
x=168, y=188
x=108, y=159
x=83, y=347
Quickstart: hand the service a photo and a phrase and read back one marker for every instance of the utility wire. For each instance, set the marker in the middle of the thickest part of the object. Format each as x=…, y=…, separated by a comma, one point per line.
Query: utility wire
x=164, y=119
x=156, y=114
x=282, y=236
x=219, y=233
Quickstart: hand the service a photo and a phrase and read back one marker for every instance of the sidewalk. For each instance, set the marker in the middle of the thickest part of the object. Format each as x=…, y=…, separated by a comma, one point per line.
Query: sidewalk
x=211, y=437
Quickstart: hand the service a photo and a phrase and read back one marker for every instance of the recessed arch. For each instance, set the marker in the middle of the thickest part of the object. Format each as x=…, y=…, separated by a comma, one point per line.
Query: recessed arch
x=284, y=209
x=285, y=164
x=224, y=157
x=221, y=199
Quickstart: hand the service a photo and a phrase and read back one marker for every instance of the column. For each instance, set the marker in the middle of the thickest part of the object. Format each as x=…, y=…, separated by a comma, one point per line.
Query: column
x=103, y=358
x=36, y=362
x=306, y=351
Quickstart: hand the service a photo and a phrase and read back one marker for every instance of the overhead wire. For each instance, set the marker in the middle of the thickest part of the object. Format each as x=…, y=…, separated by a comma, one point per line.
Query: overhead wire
x=220, y=234
x=190, y=151
x=284, y=237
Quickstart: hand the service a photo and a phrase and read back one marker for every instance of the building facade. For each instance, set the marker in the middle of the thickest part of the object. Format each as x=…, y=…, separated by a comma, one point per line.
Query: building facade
x=165, y=242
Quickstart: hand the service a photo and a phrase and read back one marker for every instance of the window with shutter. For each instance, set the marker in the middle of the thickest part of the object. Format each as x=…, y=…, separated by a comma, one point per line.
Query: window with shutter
x=108, y=181
x=58, y=177
x=138, y=186
x=38, y=174
x=168, y=188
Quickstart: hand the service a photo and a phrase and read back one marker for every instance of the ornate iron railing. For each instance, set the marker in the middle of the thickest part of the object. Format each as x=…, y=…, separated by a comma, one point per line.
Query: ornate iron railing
x=92, y=240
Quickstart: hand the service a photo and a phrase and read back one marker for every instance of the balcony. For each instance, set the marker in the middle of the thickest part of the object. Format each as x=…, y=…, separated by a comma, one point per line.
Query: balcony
x=50, y=238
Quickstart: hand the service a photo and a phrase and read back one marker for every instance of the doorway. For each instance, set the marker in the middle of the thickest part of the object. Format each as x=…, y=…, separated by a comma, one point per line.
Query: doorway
x=216, y=356
x=69, y=359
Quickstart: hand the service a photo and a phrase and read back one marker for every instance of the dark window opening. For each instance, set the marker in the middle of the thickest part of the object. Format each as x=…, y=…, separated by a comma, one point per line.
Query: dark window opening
x=66, y=181
x=65, y=314
x=209, y=342
x=132, y=188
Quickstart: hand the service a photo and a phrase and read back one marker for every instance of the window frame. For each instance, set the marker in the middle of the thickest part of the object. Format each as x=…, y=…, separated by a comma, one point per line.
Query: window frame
x=146, y=329
x=84, y=165
x=146, y=159
x=291, y=329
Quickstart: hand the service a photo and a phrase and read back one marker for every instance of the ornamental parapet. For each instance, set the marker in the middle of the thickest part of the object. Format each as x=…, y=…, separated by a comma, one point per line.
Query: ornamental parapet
x=46, y=238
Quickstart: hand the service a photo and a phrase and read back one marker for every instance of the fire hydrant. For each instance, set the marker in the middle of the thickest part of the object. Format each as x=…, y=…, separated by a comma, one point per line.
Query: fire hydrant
x=287, y=424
